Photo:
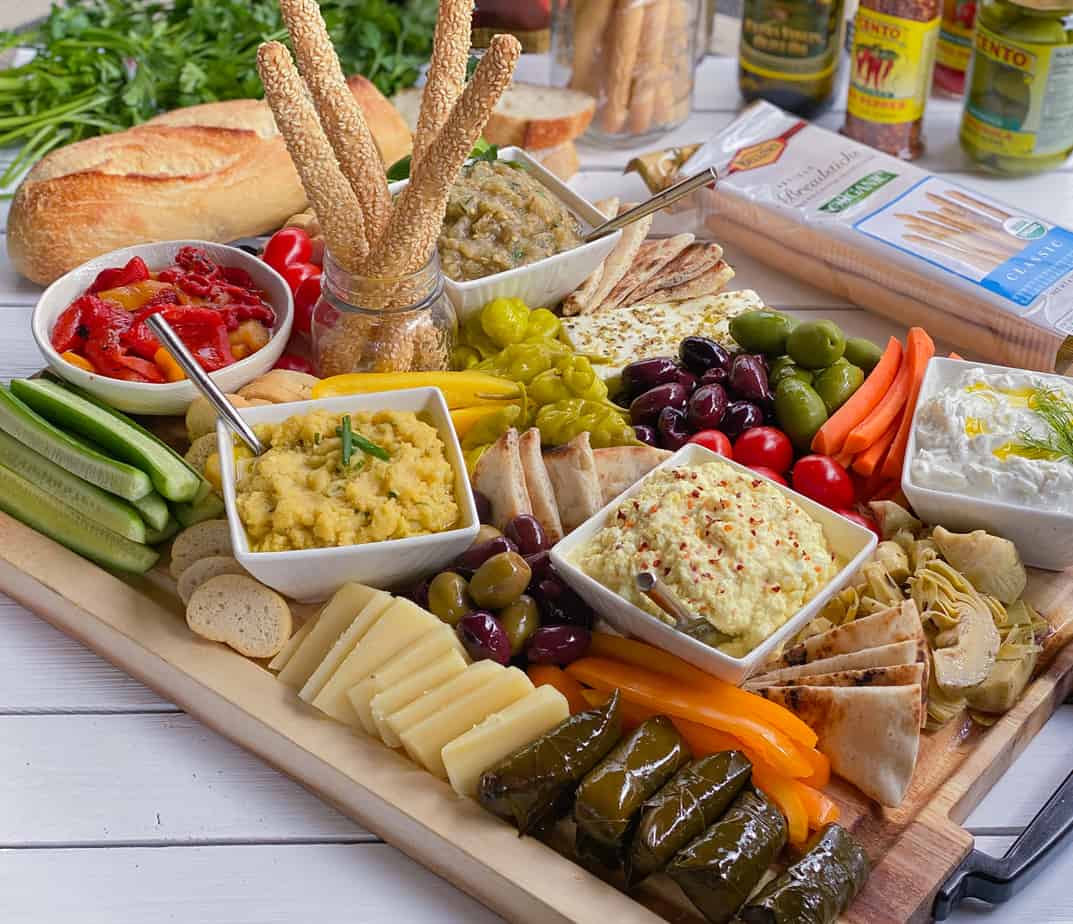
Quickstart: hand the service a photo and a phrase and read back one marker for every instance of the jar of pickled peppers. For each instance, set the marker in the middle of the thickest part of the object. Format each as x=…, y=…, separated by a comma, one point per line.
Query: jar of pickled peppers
x=1018, y=115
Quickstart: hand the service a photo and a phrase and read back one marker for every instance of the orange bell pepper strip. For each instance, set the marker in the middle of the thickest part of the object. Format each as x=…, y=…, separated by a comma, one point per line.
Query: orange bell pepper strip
x=76, y=359
x=556, y=677
x=662, y=662
x=632, y=714
x=675, y=699
x=821, y=767
x=167, y=365
x=784, y=794
x=819, y=807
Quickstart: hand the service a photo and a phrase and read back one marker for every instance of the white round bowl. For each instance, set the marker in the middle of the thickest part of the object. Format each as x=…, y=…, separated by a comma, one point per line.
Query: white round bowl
x=169, y=397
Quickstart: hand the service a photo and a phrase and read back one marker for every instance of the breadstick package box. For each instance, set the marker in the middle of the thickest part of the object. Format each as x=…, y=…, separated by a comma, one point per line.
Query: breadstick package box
x=981, y=274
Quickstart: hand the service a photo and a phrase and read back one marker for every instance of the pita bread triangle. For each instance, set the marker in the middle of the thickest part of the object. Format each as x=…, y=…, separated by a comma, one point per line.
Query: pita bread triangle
x=883, y=656
x=897, y=675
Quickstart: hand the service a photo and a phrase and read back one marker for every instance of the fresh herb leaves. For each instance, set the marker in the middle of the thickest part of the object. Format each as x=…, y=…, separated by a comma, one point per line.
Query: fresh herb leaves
x=1056, y=409
x=482, y=150
x=353, y=440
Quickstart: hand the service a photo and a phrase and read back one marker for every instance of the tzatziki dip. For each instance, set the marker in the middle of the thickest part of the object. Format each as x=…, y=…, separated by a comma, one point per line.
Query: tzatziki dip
x=1002, y=437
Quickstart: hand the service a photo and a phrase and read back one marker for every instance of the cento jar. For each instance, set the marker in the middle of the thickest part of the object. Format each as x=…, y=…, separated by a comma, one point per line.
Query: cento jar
x=378, y=324
x=1018, y=115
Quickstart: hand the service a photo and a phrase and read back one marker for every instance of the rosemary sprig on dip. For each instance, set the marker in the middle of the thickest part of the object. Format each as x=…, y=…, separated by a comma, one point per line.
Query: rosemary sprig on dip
x=353, y=440
x=1056, y=410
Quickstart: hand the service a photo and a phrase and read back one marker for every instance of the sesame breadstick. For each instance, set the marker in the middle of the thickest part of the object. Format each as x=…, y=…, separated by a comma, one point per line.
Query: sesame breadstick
x=328, y=192
x=340, y=114
x=418, y=215
x=446, y=73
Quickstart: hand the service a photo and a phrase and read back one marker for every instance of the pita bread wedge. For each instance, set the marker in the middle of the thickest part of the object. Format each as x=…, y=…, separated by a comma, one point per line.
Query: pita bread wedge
x=620, y=260
x=894, y=624
x=499, y=476
x=538, y=484
x=897, y=675
x=710, y=282
x=572, y=470
x=651, y=257
x=883, y=656
x=870, y=734
x=576, y=302
x=697, y=258
x=619, y=467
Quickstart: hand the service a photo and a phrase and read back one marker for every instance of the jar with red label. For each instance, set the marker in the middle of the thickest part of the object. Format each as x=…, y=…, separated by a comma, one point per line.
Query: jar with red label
x=955, y=47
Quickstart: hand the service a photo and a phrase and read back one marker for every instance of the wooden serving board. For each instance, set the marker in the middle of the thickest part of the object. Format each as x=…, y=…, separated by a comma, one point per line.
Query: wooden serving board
x=140, y=628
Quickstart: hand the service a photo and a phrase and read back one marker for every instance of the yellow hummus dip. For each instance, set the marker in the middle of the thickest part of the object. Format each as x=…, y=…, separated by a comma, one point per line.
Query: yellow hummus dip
x=300, y=495
x=732, y=547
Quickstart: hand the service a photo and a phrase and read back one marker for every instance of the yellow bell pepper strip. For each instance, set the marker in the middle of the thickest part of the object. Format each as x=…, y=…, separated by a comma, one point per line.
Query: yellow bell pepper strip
x=466, y=418
x=556, y=677
x=783, y=793
x=675, y=699
x=460, y=389
x=492, y=426
x=820, y=808
x=662, y=662
x=75, y=360
x=166, y=363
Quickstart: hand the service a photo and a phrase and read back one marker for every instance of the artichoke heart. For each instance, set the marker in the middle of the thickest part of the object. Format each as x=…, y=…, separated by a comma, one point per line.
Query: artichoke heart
x=971, y=648
x=892, y=517
x=879, y=585
x=894, y=560
x=990, y=563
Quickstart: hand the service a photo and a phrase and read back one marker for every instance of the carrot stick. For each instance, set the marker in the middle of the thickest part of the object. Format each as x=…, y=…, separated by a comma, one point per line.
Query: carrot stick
x=820, y=808
x=919, y=350
x=845, y=459
x=830, y=438
x=954, y=355
x=883, y=414
x=662, y=662
x=785, y=795
x=556, y=677
x=873, y=456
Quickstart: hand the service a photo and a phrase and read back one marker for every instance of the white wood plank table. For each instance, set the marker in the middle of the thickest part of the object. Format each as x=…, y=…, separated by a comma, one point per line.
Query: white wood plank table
x=116, y=808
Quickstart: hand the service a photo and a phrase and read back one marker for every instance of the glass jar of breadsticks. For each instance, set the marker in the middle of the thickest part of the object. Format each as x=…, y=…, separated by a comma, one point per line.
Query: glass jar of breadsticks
x=636, y=57
x=377, y=324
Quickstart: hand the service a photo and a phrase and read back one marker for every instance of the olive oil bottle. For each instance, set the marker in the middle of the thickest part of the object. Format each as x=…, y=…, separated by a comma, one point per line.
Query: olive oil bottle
x=789, y=53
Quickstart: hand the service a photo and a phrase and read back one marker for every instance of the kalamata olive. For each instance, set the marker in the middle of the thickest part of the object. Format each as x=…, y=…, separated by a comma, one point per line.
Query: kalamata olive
x=540, y=565
x=527, y=534
x=560, y=605
x=748, y=379
x=485, y=639
x=762, y=359
x=639, y=377
x=520, y=620
x=448, y=597
x=645, y=408
x=486, y=533
x=699, y=354
x=478, y=553
x=558, y=644
x=739, y=417
x=687, y=380
x=673, y=427
x=646, y=434
x=717, y=375
x=707, y=405
x=418, y=594
x=484, y=507
x=500, y=580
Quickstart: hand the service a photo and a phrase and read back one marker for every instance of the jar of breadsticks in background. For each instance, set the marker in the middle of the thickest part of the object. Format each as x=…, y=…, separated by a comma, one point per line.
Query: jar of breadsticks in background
x=636, y=57
x=377, y=324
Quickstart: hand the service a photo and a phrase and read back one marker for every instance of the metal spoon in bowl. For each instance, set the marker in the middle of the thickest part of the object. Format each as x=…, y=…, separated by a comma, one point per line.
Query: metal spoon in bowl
x=706, y=177
x=687, y=623
x=167, y=336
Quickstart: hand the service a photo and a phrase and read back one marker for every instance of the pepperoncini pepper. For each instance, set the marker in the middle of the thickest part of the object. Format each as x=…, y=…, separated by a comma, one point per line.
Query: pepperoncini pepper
x=491, y=427
x=543, y=325
x=562, y=421
x=505, y=320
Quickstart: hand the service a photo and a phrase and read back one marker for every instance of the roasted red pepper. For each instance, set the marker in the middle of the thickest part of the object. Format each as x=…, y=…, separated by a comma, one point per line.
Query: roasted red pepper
x=134, y=271
x=204, y=332
x=195, y=260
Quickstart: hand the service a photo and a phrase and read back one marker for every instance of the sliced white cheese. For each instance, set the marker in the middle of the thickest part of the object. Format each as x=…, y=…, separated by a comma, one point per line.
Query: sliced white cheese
x=287, y=651
x=403, y=665
x=345, y=644
x=401, y=694
x=400, y=625
x=424, y=742
x=472, y=678
x=500, y=735
x=337, y=614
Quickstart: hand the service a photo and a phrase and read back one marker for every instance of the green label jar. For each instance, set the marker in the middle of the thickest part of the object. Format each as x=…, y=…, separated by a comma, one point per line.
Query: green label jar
x=1018, y=115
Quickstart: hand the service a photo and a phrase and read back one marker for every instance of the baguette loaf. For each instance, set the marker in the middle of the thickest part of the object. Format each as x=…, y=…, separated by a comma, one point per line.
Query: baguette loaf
x=218, y=172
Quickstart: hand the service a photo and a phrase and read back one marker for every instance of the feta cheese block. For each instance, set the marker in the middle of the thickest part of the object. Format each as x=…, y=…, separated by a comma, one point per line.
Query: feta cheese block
x=424, y=741
x=345, y=644
x=437, y=642
x=500, y=735
x=400, y=625
x=391, y=700
x=337, y=614
x=287, y=651
x=472, y=678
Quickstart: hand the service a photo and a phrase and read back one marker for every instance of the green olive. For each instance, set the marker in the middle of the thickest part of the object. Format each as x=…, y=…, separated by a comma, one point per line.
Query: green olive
x=520, y=620
x=783, y=367
x=799, y=411
x=761, y=331
x=500, y=580
x=816, y=344
x=863, y=353
x=486, y=532
x=448, y=597
x=837, y=383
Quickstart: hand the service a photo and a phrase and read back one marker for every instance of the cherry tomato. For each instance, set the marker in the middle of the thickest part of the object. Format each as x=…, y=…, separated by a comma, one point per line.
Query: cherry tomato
x=297, y=273
x=769, y=473
x=286, y=247
x=305, y=300
x=768, y=447
x=824, y=480
x=715, y=440
x=860, y=519
x=294, y=362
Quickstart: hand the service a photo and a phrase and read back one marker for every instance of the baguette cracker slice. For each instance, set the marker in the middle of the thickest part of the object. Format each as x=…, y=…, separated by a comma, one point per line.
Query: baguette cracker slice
x=883, y=656
x=204, y=569
x=202, y=540
x=500, y=476
x=538, y=486
x=572, y=470
x=652, y=256
x=238, y=611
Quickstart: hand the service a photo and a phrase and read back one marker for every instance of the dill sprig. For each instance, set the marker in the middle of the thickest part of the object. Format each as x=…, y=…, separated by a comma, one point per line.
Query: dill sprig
x=1056, y=410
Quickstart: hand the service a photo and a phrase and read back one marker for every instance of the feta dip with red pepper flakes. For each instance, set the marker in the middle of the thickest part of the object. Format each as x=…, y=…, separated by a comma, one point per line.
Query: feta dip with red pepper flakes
x=732, y=547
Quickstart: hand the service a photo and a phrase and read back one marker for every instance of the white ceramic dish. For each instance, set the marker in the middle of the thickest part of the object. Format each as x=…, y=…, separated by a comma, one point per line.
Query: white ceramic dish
x=546, y=281
x=852, y=543
x=1043, y=537
x=170, y=397
x=314, y=574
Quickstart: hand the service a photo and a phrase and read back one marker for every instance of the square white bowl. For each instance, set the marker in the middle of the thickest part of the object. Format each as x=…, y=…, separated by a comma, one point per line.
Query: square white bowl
x=315, y=574
x=1043, y=537
x=166, y=397
x=545, y=282
x=853, y=544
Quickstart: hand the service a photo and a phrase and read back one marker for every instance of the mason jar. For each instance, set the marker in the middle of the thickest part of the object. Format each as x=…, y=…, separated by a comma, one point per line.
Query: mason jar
x=382, y=324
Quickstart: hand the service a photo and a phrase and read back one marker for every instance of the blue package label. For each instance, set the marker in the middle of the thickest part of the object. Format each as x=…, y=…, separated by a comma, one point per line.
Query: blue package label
x=1037, y=268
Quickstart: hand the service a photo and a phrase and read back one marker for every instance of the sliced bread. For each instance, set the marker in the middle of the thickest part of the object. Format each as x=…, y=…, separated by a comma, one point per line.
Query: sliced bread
x=202, y=540
x=238, y=611
x=204, y=569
